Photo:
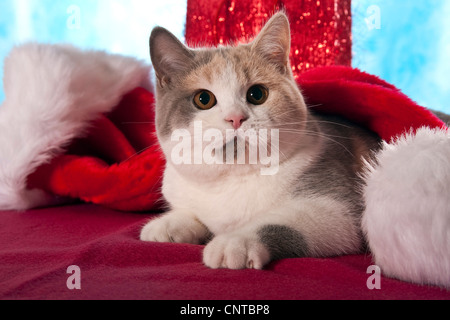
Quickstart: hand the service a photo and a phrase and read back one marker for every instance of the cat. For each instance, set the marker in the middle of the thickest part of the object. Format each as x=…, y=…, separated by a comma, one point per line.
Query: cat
x=309, y=205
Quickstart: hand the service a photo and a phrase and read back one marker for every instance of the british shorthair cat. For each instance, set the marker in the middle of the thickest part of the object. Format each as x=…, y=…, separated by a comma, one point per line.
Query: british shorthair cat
x=252, y=172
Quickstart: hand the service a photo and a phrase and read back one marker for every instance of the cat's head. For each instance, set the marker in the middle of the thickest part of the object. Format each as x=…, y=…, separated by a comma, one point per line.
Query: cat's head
x=243, y=89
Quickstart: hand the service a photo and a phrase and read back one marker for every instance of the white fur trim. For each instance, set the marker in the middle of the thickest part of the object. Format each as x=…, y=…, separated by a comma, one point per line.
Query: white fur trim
x=407, y=219
x=52, y=93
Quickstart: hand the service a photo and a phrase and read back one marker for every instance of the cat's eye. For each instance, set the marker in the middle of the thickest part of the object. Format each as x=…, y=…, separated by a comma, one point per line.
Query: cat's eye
x=257, y=95
x=205, y=100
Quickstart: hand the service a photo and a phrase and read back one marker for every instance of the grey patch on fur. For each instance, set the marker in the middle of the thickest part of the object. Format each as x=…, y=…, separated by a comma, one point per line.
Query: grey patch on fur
x=283, y=242
x=179, y=114
x=179, y=110
x=337, y=172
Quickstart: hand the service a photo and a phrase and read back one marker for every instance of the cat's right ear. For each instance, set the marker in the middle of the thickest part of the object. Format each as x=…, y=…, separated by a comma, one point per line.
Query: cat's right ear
x=169, y=56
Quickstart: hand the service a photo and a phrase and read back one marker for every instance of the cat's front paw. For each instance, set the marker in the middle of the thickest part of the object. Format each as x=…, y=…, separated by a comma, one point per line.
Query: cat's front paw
x=236, y=251
x=174, y=228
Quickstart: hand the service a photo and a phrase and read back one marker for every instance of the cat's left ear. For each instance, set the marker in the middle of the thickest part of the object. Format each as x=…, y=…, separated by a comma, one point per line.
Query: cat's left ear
x=274, y=41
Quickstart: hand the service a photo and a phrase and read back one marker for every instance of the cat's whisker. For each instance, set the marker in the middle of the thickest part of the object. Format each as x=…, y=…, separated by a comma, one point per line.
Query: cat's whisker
x=138, y=122
x=265, y=144
x=312, y=106
x=321, y=135
x=300, y=131
x=280, y=115
x=309, y=132
x=138, y=153
x=314, y=121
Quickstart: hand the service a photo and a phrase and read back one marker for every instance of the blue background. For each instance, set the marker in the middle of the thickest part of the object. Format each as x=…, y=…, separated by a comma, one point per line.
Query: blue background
x=406, y=42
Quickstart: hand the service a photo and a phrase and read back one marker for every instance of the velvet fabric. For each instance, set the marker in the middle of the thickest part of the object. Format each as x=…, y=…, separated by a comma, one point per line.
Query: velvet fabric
x=38, y=247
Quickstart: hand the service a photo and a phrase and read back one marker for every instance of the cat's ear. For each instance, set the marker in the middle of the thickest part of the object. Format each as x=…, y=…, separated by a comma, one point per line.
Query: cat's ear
x=169, y=56
x=274, y=41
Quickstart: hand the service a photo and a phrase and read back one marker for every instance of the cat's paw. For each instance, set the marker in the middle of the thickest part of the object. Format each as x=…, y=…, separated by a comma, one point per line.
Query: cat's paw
x=236, y=251
x=174, y=228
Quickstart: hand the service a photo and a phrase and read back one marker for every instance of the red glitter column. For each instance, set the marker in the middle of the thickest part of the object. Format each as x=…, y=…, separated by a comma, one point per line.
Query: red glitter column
x=321, y=29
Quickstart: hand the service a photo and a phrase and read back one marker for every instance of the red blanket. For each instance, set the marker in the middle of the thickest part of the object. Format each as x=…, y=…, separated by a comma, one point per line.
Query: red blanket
x=38, y=247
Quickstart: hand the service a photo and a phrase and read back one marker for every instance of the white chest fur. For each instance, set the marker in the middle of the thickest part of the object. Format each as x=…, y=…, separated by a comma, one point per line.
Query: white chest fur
x=228, y=202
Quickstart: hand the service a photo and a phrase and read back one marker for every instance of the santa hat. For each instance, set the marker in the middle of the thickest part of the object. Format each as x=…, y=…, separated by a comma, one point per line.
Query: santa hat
x=72, y=125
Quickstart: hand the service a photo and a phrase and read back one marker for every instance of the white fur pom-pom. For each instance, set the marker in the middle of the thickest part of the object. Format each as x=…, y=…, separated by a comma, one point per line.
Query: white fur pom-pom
x=407, y=216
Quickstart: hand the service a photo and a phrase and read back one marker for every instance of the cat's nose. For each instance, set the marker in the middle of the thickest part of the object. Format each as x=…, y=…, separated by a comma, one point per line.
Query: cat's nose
x=236, y=119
